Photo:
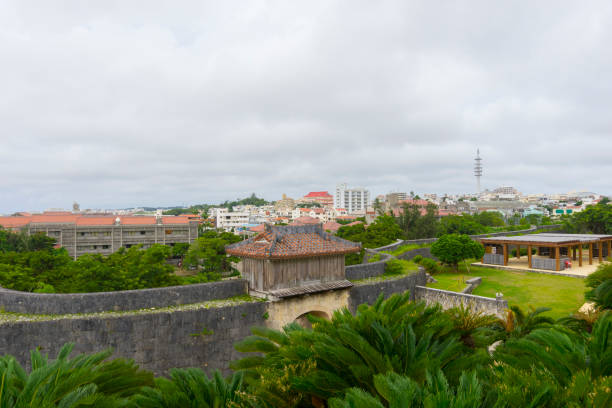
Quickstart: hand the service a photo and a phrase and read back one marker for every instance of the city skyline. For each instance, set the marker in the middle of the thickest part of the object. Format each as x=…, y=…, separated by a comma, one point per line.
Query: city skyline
x=150, y=104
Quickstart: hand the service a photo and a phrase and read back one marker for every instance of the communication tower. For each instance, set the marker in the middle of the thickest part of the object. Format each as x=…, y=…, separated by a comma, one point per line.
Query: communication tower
x=478, y=169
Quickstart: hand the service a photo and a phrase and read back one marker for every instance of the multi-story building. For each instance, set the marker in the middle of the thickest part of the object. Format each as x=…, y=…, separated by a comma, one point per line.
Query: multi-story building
x=352, y=199
x=231, y=220
x=82, y=234
x=322, y=197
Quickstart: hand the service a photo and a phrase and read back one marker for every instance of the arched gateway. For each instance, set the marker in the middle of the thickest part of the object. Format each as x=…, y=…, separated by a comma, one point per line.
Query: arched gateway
x=299, y=268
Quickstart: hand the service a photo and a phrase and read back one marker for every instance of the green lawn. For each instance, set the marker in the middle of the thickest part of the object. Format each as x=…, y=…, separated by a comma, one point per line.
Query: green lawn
x=563, y=294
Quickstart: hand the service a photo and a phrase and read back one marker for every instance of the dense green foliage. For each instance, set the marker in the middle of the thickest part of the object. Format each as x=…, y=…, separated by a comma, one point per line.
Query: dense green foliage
x=22, y=242
x=454, y=248
x=32, y=264
x=82, y=381
x=600, y=286
x=383, y=231
x=416, y=225
x=398, y=353
x=596, y=219
x=207, y=253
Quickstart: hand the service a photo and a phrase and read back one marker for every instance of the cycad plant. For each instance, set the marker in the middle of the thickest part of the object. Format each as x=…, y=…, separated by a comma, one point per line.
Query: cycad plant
x=192, y=388
x=393, y=335
x=554, y=367
x=397, y=391
x=83, y=381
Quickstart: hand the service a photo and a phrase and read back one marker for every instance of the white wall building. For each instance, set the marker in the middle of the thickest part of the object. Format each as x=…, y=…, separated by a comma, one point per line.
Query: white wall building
x=230, y=220
x=352, y=199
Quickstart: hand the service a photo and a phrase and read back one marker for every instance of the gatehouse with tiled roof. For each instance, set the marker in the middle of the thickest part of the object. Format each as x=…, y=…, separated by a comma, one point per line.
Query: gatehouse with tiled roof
x=286, y=261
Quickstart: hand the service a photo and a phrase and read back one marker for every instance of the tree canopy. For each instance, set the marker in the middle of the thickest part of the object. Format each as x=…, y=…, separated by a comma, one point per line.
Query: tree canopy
x=454, y=248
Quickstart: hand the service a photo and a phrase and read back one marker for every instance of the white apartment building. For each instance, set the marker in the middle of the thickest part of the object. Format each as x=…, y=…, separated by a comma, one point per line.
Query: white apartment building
x=230, y=220
x=351, y=199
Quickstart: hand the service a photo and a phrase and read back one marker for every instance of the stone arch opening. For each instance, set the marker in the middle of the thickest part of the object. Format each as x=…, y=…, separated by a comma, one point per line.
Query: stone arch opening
x=303, y=321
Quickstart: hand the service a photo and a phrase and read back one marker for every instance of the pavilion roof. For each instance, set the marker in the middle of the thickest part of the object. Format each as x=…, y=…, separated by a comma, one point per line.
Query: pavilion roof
x=302, y=241
x=547, y=239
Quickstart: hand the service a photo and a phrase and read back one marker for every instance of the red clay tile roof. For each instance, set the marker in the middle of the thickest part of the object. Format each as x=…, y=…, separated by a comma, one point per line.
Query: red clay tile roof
x=305, y=221
x=17, y=221
x=313, y=194
x=14, y=222
x=332, y=226
x=292, y=242
x=257, y=228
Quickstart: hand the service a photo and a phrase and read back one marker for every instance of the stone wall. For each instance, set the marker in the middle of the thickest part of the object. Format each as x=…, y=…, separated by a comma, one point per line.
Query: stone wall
x=60, y=303
x=203, y=337
x=368, y=269
x=424, y=252
x=399, y=243
x=368, y=292
x=448, y=299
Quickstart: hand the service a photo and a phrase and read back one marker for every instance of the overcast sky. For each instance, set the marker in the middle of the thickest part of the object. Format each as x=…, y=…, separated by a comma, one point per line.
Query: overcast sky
x=126, y=103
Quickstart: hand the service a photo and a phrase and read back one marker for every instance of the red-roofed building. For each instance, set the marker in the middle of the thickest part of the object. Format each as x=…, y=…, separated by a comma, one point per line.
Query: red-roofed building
x=293, y=260
x=322, y=197
x=305, y=221
x=331, y=226
x=104, y=234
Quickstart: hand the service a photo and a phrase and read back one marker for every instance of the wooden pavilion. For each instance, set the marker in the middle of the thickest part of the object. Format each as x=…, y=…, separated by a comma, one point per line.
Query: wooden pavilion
x=552, y=249
x=294, y=260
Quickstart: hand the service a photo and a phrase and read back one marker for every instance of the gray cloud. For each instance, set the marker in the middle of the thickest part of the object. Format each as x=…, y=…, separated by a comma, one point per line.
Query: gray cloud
x=147, y=103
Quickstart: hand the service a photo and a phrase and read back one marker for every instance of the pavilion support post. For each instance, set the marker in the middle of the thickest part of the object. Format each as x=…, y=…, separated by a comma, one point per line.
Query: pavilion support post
x=538, y=251
x=557, y=261
x=580, y=255
x=574, y=250
x=505, y=254
x=518, y=252
x=609, y=249
x=600, y=251
x=485, y=251
x=590, y=253
x=529, y=255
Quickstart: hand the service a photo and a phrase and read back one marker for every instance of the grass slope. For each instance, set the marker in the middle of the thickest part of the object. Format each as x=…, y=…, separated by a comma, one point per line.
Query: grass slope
x=564, y=295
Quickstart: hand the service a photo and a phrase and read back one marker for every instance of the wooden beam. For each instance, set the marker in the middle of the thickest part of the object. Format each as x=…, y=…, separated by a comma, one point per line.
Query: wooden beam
x=538, y=251
x=518, y=251
x=557, y=262
x=505, y=254
x=609, y=249
x=600, y=251
x=590, y=253
x=574, y=250
x=529, y=255
x=580, y=255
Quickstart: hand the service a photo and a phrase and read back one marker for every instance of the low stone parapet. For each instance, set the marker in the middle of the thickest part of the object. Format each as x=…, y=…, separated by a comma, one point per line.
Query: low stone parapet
x=448, y=299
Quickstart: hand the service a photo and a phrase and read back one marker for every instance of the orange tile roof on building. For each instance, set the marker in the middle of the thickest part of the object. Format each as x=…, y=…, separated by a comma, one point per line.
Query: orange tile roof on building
x=332, y=226
x=305, y=221
x=314, y=194
x=85, y=220
x=292, y=242
x=14, y=222
x=350, y=224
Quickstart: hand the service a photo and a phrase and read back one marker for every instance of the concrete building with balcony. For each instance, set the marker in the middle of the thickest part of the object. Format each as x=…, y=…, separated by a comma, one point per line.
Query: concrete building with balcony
x=352, y=199
x=82, y=234
x=229, y=221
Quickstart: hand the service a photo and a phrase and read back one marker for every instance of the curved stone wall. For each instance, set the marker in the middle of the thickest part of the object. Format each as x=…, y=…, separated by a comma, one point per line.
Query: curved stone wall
x=74, y=303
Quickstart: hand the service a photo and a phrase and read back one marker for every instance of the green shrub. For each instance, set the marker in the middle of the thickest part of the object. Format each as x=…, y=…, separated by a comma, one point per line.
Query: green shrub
x=417, y=259
x=394, y=267
x=374, y=258
x=430, y=265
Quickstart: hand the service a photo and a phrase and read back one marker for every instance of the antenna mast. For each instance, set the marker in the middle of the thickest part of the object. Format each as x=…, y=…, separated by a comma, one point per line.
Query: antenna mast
x=478, y=169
